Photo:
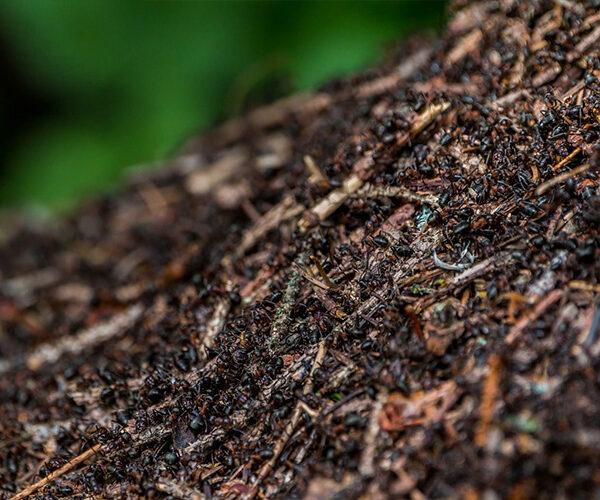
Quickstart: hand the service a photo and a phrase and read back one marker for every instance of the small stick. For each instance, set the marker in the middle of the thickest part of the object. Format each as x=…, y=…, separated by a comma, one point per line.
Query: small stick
x=467, y=44
x=291, y=425
x=414, y=319
x=509, y=98
x=564, y=220
x=390, y=81
x=215, y=324
x=283, y=211
x=204, y=181
x=488, y=396
x=335, y=198
x=584, y=285
x=102, y=332
x=337, y=378
x=315, y=172
x=363, y=168
x=427, y=117
x=591, y=20
x=587, y=42
x=546, y=76
x=448, y=267
x=309, y=278
x=371, y=191
x=464, y=278
x=308, y=409
x=340, y=403
x=367, y=459
x=593, y=330
x=322, y=272
x=566, y=159
x=544, y=186
x=57, y=473
x=573, y=90
x=305, y=447
x=178, y=490
x=537, y=311
x=553, y=222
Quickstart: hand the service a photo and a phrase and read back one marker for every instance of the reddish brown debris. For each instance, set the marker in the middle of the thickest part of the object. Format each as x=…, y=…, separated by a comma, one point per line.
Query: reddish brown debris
x=385, y=289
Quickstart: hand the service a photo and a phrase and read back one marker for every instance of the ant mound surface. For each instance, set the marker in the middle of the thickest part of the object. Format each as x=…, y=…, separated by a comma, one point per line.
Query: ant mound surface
x=386, y=288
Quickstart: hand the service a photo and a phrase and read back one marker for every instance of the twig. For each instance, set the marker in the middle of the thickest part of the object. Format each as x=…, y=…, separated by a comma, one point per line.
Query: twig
x=427, y=117
x=285, y=210
x=337, y=378
x=335, y=198
x=566, y=159
x=587, y=42
x=291, y=425
x=207, y=179
x=467, y=44
x=580, y=85
x=584, y=285
x=476, y=271
x=362, y=170
x=385, y=83
x=305, y=447
x=340, y=403
x=308, y=409
x=23, y=286
x=546, y=76
x=554, y=222
x=205, y=441
x=310, y=279
x=178, y=490
x=216, y=323
x=57, y=473
x=366, y=467
x=315, y=172
x=448, y=267
x=592, y=333
x=97, y=334
x=544, y=186
x=371, y=191
x=537, y=311
x=465, y=278
x=322, y=272
x=488, y=397
x=509, y=98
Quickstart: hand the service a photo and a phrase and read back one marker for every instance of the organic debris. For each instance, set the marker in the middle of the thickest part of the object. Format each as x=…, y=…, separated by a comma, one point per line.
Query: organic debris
x=386, y=288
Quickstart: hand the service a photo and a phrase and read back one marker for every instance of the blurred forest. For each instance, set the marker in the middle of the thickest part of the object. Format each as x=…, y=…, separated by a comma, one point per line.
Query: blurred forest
x=94, y=87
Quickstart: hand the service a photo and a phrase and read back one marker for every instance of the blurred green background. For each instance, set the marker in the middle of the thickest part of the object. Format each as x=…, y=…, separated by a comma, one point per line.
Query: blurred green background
x=92, y=87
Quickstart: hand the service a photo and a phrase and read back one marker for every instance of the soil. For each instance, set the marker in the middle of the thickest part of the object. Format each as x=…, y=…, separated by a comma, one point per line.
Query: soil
x=387, y=288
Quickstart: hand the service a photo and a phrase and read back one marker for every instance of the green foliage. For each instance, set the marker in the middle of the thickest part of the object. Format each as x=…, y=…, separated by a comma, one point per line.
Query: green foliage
x=132, y=80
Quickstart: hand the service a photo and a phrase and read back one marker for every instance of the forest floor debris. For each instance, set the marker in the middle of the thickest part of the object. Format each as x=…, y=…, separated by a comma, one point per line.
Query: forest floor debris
x=389, y=287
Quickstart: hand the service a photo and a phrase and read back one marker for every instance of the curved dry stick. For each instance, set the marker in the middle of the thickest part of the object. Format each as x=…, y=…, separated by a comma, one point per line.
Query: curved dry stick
x=363, y=169
x=30, y=490
x=534, y=314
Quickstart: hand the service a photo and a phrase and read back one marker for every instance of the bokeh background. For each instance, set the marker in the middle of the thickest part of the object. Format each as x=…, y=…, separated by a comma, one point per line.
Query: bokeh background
x=91, y=88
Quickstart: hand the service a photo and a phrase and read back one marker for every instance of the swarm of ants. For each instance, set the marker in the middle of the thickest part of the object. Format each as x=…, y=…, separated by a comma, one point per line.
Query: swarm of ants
x=388, y=288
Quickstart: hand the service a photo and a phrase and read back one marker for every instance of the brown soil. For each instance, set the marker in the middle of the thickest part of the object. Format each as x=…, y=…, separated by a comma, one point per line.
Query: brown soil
x=388, y=288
